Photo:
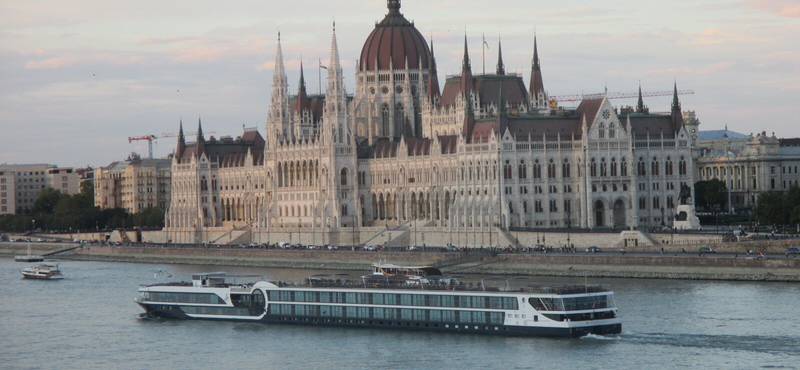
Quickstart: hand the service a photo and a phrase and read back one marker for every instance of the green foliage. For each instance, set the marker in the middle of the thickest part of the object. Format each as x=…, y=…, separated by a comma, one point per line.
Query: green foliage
x=779, y=208
x=769, y=208
x=716, y=194
x=55, y=211
x=699, y=197
x=46, y=201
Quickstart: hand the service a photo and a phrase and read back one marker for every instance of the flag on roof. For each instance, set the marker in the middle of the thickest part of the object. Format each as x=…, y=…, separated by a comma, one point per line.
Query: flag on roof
x=731, y=154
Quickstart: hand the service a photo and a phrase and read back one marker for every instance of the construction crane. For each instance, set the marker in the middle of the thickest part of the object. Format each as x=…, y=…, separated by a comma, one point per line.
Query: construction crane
x=554, y=99
x=151, y=138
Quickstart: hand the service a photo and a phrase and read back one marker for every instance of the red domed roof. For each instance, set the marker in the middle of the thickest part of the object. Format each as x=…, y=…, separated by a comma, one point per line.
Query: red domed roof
x=394, y=40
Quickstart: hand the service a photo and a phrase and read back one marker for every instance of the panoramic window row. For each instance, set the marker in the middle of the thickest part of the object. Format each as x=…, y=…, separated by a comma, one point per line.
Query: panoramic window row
x=207, y=298
x=395, y=299
x=411, y=314
x=228, y=311
x=572, y=304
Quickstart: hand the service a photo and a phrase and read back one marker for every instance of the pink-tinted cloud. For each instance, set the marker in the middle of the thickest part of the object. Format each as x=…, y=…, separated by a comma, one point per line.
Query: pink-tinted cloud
x=73, y=58
x=782, y=8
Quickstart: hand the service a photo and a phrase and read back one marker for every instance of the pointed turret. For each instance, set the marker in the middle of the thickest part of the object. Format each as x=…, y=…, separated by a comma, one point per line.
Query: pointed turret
x=336, y=120
x=677, y=115
x=200, y=146
x=433, y=79
x=640, y=108
x=538, y=97
x=278, y=120
x=501, y=68
x=466, y=70
x=335, y=79
x=302, y=96
x=676, y=104
x=181, y=143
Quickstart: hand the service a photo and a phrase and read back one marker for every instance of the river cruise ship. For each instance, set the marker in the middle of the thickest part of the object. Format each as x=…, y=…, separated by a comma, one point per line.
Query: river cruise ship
x=492, y=306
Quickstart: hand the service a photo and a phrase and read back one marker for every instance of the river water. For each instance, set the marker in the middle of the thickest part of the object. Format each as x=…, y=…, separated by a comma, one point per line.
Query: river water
x=90, y=321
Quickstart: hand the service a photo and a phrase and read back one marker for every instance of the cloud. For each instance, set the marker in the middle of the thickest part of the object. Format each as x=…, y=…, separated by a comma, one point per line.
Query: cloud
x=781, y=8
x=74, y=57
x=168, y=40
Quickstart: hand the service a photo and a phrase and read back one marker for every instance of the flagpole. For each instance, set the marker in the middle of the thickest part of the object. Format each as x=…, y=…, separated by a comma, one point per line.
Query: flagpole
x=483, y=52
x=319, y=70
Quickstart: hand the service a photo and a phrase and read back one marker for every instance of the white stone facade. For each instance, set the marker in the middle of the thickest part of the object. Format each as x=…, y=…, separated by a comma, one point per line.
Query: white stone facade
x=484, y=156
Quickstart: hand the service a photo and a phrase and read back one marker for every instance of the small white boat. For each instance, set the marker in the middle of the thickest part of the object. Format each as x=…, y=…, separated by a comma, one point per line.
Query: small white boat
x=42, y=272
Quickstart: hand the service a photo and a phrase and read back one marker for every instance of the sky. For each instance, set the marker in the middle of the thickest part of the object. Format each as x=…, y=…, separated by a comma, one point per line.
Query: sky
x=78, y=78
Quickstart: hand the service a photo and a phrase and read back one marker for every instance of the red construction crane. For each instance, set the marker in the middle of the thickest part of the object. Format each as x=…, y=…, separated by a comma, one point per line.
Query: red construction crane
x=554, y=99
x=149, y=139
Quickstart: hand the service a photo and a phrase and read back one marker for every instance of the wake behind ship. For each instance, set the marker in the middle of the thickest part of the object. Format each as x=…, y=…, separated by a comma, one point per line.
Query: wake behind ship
x=430, y=305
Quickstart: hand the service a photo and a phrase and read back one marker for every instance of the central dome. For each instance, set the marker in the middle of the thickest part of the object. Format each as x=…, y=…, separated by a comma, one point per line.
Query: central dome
x=393, y=41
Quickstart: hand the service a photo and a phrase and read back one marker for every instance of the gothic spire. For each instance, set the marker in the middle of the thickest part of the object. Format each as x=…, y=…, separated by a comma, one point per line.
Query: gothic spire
x=465, y=64
x=278, y=120
x=676, y=104
x=433, y=79
x=466, y=70
x=537, y=82
x=302, y=95
x=200, y=146
x=640, y=104
x=676, y=114
x=501, y=68
x=181, y=143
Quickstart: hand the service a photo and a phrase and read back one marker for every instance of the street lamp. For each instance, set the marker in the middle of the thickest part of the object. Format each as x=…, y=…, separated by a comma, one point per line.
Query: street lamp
x=33, y=224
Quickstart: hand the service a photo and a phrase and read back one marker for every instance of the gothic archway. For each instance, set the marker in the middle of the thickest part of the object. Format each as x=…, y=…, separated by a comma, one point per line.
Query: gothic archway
x=619, y=214
x=599, y=214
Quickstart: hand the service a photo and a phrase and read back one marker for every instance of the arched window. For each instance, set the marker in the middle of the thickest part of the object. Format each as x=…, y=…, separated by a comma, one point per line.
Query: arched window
x=385, y=119
x=611, y=130
x=551, y=169
x=601, y=130
x=682, y=167
x=593, y=168
x=523, y=169
x=654, y=167
x=537, y=169
x=507, y=170
x=399, y=118
x=641, y=167
x=613, y=166
x=623, y=167
x=343, y=176
x=565, y=168
x=668, y=166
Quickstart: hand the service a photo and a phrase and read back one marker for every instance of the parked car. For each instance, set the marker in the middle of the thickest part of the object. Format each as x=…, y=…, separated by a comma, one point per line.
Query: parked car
x=707, y=250
x=594, y=249
x=793, y=250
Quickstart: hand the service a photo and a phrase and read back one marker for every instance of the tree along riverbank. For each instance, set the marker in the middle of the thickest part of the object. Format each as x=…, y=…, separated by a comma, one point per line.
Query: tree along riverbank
x=612, y=265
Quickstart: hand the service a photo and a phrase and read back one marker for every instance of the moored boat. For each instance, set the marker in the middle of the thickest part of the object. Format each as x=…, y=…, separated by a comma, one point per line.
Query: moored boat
x=42, y=272
x=29, y=257
x=529, y=310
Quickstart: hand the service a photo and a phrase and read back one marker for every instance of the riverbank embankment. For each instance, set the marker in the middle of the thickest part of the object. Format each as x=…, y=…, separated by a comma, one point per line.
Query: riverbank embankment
x=612, y=265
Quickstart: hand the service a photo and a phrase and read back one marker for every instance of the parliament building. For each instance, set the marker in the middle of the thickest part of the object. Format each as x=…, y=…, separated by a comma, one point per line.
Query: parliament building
x=464, y=163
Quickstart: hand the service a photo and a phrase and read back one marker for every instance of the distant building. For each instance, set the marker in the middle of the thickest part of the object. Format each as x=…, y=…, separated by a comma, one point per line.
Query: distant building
x=26, y=181
x=133, y=184
x=8, y=198
x=748, y=164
